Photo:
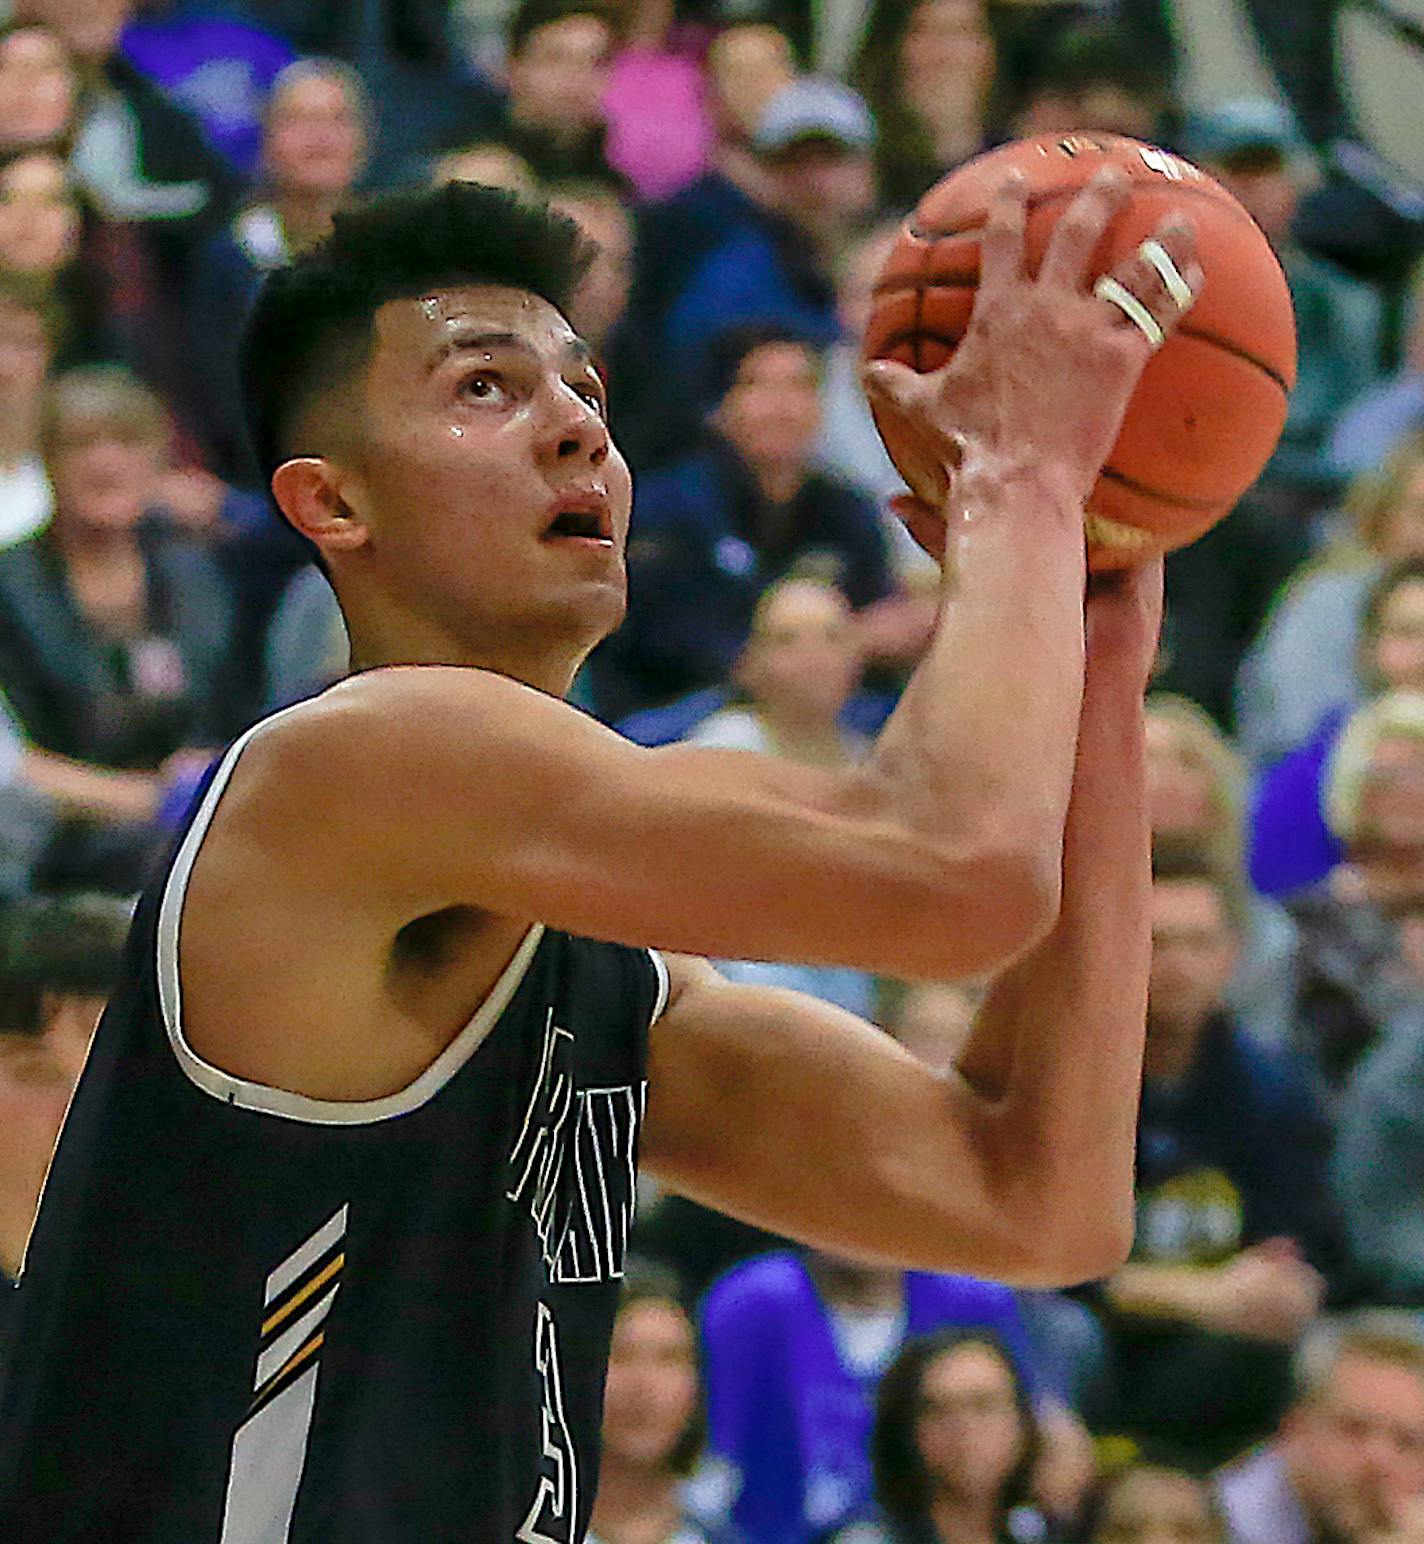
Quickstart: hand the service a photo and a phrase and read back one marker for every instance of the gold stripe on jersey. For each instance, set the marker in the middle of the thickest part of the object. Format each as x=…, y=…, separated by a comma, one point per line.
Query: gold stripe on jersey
x=287, y=1372
x=302, y=1293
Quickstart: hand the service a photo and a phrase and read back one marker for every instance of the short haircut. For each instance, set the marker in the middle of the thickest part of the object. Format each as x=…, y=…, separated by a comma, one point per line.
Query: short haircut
x=1395, y=715
x=902, y=1483
x=312, y=320
x=103, y=397
x=729, y=349
x=530, y=15
x=318, y=67
x=1391, y=1335
x=71, y=944
x=1192, y=863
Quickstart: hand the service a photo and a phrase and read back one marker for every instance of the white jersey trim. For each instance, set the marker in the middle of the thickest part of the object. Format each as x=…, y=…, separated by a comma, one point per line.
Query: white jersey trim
x=664, y=986
x=262, y=1097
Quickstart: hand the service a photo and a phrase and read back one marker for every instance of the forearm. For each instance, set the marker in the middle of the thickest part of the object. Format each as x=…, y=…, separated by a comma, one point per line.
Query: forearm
x=1055, y=1056
x=79, y=789
x=980, y=749
x=1183, y=1293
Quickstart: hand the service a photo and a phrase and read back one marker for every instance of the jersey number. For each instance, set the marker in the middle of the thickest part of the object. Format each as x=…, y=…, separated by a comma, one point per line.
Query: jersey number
x=551, y=1515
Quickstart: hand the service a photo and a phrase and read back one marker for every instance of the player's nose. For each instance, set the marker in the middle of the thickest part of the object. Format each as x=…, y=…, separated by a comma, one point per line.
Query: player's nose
x=572, y=429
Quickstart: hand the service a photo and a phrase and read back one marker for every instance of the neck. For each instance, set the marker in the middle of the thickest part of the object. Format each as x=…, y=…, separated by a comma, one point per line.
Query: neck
x=306, y=217
x=636, y=1503
x=778, y=481
x=963, y=1519
x=380, y=641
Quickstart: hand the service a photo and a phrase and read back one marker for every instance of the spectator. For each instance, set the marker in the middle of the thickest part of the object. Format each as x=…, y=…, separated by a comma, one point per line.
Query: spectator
x=1291, y=844
x=649, y=1491
x=557, y=71
x=1234, y=1217
x=1251, y=149
x=815, y=143
x=1346, y=1464
x=39, y=218
x=794, y=1349
x=1378, y=1164
x=313, y=147
x=218, y=67
x=1370, y=429
x=659, y=129
x=26, y=348
x=114, y=633
x=953, y=1447
x=730, y=519
x=1195, y=790
x=850, y=446
x=39, y=89
x=1306, y=660
x=933, y=1019
x=927, y=72
x=140, y=156
x=800, y=667
x=1096, y=76
x=1147, y=1503
x=1373, y=802
x=747, y=64
x=58, y=960
x=156, y=185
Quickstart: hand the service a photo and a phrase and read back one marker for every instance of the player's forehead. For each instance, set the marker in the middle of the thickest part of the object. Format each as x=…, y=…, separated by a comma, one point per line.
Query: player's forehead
x=415, y=334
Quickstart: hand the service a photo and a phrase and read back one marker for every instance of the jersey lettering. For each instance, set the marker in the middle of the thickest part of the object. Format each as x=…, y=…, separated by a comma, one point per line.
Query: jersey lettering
x=573, y=1167
x=550, y=1519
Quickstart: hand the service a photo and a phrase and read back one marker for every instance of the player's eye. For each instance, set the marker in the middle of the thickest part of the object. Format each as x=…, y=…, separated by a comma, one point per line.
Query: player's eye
x=594, y=398
x=484, y=386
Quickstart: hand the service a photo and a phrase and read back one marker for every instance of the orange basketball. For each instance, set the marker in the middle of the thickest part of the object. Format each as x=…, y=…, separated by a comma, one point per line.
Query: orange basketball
x=1211, y=403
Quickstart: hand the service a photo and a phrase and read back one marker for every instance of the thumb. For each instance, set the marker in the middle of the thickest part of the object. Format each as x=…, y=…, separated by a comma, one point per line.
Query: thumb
x=892, y=384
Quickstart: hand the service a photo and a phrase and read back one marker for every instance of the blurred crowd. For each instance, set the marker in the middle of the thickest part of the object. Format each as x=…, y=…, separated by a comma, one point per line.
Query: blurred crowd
x=1255, y=1373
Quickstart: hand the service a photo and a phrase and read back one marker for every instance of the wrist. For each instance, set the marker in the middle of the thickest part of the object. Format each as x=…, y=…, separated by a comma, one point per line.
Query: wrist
x=987, y=478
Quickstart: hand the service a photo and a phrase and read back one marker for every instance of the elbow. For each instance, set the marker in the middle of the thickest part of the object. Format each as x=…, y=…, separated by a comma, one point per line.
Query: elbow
x=1017, y=894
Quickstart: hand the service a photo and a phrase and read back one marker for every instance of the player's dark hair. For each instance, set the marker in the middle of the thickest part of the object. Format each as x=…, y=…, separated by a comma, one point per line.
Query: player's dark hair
x=650, y=1281
x=70, y=944
x=903, y=1485
x=312, y=320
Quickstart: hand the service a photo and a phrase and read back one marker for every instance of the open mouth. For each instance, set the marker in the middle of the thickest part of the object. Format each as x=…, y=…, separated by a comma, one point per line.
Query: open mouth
x=591, y=525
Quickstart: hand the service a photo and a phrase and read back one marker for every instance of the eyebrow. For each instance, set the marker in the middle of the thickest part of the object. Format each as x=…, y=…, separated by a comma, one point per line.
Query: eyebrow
x=475, y=342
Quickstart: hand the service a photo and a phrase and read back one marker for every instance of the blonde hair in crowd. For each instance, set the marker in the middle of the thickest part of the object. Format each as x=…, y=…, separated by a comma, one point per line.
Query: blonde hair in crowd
x=1208, y=750
x=1395, y=715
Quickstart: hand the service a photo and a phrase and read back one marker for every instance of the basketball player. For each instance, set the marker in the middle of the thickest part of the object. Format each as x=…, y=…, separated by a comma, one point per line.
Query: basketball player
x=330, y=1249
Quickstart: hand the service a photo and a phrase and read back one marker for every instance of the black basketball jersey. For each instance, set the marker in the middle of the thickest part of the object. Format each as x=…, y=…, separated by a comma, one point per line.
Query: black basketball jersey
x=250, y=1317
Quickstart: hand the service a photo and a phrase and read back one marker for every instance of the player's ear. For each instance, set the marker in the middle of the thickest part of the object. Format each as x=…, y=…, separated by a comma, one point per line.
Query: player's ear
x=319, y=501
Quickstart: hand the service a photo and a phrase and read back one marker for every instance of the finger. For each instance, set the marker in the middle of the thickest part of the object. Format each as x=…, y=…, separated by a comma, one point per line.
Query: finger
x=910, y=396
x=1158, y=284
x=1075, y=238
x=1001, y=251
x=925, y=524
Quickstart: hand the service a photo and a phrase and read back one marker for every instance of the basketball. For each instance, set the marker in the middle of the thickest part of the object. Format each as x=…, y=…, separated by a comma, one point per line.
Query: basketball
x=1211, y=403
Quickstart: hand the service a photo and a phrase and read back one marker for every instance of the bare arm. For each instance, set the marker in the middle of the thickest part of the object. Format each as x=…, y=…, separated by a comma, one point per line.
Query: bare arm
x=1017, y=1165
x=938, y=858
x=80, y=789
